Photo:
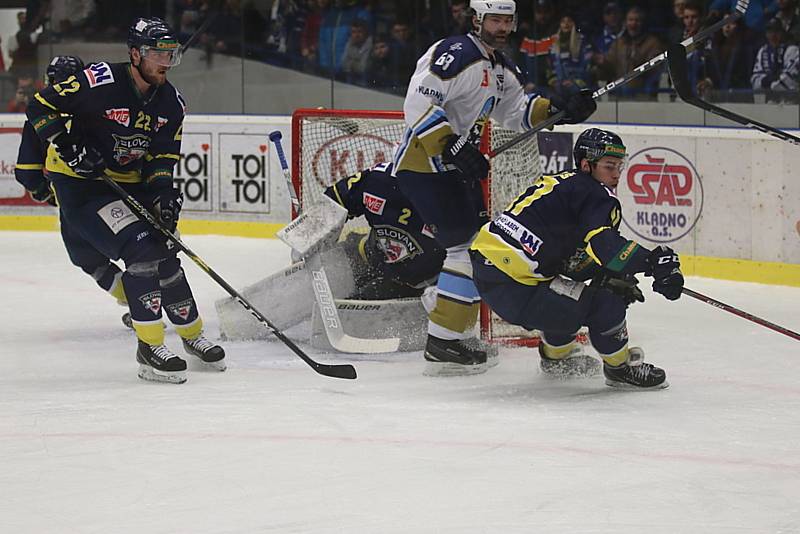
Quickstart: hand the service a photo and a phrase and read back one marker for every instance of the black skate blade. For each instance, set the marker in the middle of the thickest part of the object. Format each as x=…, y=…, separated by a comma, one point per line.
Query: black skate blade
x=624, y=386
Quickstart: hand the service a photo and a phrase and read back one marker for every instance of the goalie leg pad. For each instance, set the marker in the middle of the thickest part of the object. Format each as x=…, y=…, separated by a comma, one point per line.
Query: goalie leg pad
x=376, y=319
x=286, y=298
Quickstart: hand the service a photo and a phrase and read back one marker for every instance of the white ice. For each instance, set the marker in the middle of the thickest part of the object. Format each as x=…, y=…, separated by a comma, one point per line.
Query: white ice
x=270, y=446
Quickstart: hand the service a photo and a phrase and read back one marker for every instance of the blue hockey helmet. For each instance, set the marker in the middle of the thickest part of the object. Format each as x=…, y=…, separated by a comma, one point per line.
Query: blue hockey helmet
x=62, y=67
x=594, y=143
x=155, y=40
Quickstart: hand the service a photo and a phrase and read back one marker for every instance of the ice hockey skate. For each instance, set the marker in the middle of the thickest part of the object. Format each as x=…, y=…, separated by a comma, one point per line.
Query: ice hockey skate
x=576, y=364
x=159, y=364
x=212, y=356
x=635, y=374
x=491, y=350
x=453, y=357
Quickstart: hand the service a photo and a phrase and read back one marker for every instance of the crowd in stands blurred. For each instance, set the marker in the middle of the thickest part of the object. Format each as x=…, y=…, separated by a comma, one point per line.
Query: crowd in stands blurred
x=560, y=46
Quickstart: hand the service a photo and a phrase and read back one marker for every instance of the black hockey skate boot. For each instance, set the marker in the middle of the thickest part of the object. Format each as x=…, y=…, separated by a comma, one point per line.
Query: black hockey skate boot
x=212, y=356
x=635, y=373
x=159, y=364
x=490, y=350
x=576, y=364
x=453, y=357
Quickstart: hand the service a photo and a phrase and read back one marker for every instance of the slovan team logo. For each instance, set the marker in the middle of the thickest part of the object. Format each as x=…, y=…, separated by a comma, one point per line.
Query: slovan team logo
x=661, y=194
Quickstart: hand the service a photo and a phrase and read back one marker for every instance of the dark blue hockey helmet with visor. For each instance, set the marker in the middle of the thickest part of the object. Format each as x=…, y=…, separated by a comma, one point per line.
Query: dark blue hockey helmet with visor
x=155, y=41
x=594, y=143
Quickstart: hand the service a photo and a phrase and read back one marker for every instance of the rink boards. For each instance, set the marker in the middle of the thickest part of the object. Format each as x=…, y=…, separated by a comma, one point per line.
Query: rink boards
x=727, y=199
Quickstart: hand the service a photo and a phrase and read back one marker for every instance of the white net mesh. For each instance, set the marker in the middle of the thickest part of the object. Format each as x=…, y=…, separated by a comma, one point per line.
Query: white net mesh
x=331, y=145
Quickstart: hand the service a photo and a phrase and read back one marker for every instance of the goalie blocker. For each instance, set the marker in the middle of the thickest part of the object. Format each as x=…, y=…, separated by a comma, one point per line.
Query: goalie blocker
x=377, y=277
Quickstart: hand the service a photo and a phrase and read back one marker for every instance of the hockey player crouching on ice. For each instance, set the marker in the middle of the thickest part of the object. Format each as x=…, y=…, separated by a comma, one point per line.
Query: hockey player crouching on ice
x=126, y=122
x=530, y=263
x=459, y=83
x=399, y=257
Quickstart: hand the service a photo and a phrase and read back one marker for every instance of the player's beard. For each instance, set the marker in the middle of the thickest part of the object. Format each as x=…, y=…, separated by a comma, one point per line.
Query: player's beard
x=495, y=40
x=151, y=75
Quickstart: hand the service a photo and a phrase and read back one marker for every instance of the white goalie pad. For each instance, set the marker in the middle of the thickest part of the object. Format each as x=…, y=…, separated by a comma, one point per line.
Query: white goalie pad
x=404, y=319
x=315, y=229
x=286, y=297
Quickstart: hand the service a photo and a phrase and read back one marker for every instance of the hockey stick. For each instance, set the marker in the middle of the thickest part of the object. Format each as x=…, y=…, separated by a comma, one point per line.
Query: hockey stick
x=335, y=371
x=678, y=71
x=322, y=290
x=740, y=313
x=741, y=7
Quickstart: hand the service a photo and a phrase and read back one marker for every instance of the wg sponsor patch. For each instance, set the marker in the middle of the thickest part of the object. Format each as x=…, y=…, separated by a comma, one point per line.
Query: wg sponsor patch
x=99, y=74
x=374, y=204
x=119, y=115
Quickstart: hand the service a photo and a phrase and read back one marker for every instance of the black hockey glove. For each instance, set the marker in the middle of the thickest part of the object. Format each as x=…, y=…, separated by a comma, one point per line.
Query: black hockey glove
x=168, y=205
x=625, y=286
x=85, y=161
x=44, y=194
x=664, y=266
x=767, y=81
x=466, y=157
x=577, y=107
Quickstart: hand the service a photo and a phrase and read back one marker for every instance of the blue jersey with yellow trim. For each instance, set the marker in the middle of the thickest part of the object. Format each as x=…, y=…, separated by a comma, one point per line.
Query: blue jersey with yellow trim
x=564, y=224
x=138, y=135
x=29, y=170
x=399, y=244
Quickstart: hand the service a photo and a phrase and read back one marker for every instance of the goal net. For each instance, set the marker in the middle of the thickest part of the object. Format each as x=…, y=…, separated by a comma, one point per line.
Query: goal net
x=328, y=145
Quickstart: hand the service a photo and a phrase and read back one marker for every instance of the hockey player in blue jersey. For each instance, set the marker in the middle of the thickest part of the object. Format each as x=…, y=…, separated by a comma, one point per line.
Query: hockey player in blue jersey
x=29, y=172
x=531, y=263
x=126, y=123
x=398, y=257
x=459, y=83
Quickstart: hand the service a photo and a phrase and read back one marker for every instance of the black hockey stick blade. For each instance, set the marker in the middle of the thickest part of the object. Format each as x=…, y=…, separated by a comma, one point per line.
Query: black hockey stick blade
x=743, y=314
x=332, y=370
x=678, y=71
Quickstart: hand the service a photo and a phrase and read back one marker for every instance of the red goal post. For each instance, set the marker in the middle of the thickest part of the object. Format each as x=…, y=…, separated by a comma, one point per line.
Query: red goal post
x=328, y=145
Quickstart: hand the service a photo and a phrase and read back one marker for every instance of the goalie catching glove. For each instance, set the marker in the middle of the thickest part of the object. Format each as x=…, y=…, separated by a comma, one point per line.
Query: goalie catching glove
x=84, y=160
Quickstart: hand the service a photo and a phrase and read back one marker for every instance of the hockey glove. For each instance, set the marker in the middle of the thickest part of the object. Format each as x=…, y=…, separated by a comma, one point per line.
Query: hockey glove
x=625, y=286
x=577, y=107
x=664, y=266
x=168, y=205
x=44, y=194
x=85, y=161
x=466, y=157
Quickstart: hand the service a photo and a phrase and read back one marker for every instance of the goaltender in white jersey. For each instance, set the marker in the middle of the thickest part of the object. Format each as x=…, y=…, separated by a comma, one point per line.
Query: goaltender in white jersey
x=459, y=83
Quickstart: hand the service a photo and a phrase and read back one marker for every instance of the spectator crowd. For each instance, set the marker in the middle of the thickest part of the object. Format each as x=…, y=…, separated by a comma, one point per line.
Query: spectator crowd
x=560, y=46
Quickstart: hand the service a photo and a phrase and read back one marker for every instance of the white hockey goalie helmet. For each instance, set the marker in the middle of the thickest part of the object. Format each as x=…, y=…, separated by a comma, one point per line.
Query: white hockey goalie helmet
x=494, y=7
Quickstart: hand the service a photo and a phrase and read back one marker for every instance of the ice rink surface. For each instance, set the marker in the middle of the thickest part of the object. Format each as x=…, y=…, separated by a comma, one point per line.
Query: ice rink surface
x=270, y=446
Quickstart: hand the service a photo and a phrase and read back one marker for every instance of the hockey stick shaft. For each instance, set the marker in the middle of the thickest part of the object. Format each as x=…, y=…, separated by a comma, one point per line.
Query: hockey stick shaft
x=335, y=371
x=551, y=121
x=322, y=291
x=678, y=71
x=743, y=314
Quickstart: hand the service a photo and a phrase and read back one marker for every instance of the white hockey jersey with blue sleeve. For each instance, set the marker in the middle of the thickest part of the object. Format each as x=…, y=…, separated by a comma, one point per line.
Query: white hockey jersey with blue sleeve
x=456, y=88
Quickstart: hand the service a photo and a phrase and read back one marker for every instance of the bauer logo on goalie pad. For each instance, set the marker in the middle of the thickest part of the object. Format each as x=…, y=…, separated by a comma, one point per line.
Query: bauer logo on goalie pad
x=374, y=204
x=396, y=244
x=181, y=309
x=152, y=302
